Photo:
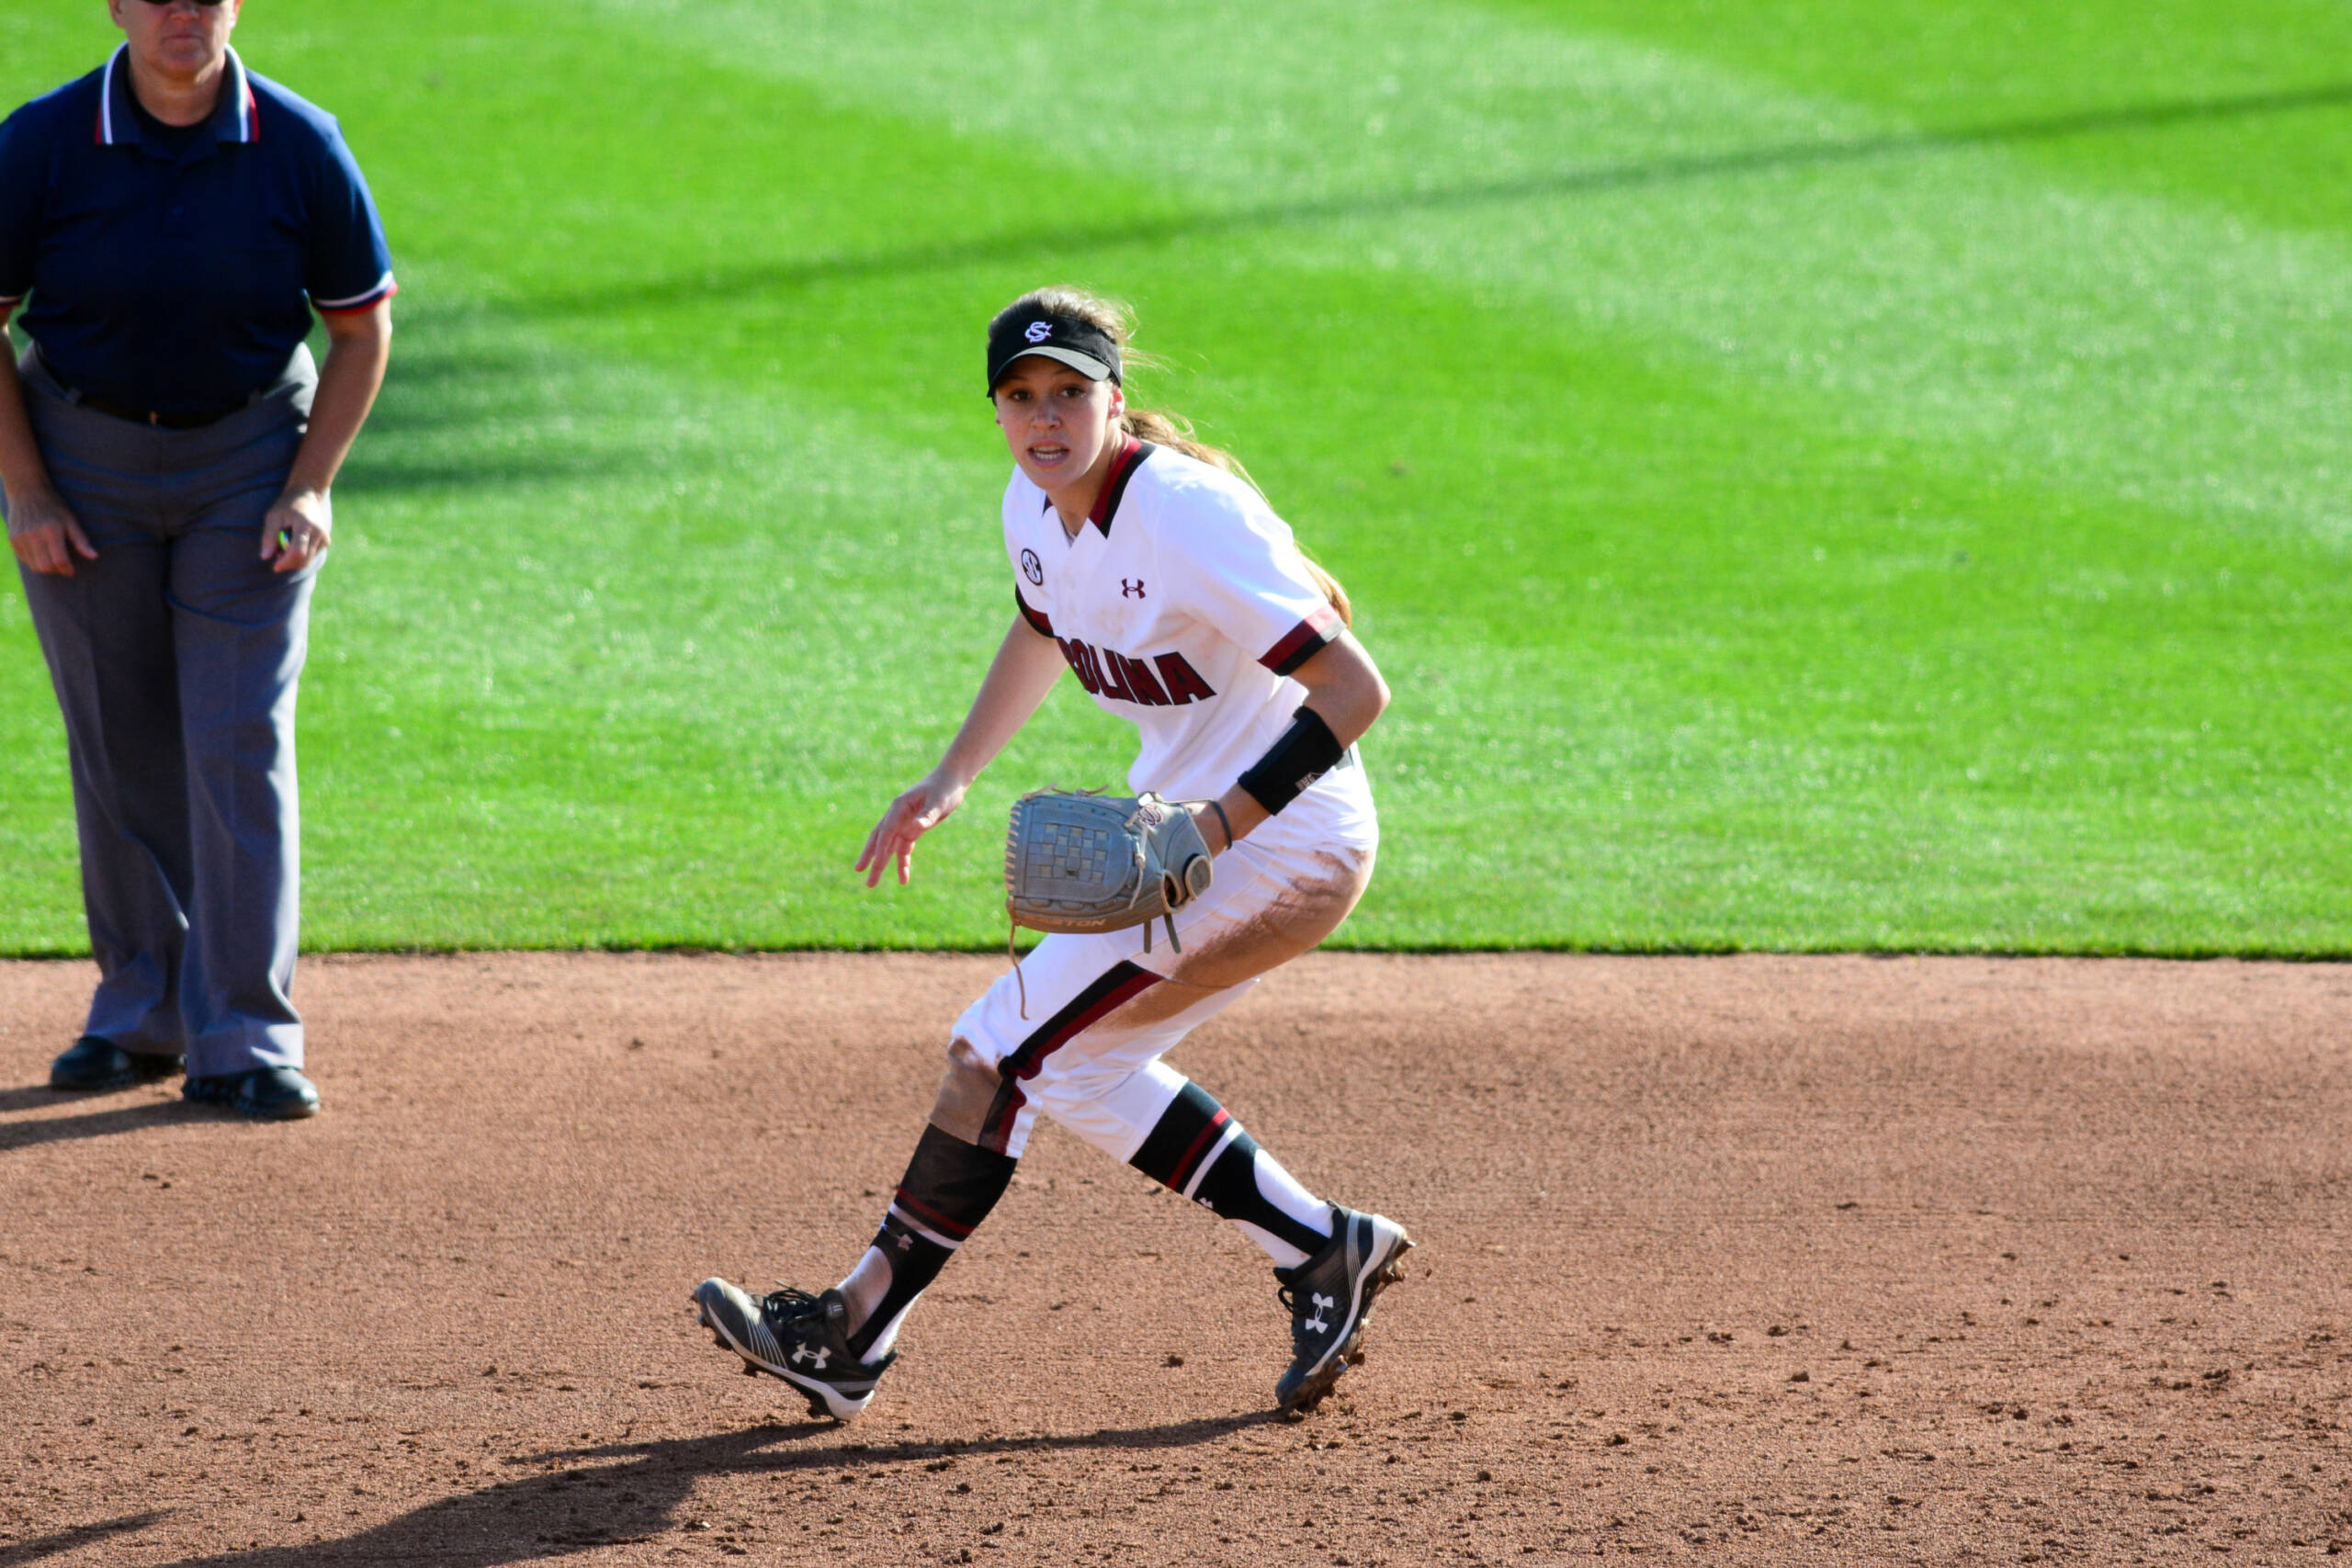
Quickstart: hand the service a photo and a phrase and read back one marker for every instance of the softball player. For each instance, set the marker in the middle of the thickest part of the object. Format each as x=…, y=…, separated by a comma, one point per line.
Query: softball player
x=1145, y=564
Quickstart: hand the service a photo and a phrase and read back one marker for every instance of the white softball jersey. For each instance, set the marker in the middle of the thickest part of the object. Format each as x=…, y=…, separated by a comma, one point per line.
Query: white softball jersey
x=1182, y=605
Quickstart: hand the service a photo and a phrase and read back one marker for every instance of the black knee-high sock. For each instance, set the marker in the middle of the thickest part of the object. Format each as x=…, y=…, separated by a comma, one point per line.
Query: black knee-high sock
x=1199, y=1150
x=949, y=1188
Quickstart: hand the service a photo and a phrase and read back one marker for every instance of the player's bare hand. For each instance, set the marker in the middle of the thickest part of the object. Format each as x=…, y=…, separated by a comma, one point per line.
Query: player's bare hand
x=45, y=535
x=297, y=530
x=910, y=815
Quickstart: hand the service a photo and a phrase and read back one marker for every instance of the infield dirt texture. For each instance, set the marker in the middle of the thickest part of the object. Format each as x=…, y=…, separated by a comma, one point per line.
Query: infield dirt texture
x=1739, y=1260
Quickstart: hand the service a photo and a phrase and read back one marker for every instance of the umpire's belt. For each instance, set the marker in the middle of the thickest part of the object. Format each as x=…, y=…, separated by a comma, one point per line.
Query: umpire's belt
x=194, y=420
x=189, y=419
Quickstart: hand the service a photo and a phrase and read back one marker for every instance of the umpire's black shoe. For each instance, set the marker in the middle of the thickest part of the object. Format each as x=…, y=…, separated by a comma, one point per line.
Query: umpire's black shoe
x=276, y=1094
x=91, y=1063
x=1329, y=1297
x=803, y=1339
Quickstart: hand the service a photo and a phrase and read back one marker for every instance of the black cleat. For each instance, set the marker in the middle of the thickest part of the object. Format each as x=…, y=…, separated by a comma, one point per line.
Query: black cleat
x=803, y=1339
x=274, y=1094
x=92, y=1064
x=1329, y=1297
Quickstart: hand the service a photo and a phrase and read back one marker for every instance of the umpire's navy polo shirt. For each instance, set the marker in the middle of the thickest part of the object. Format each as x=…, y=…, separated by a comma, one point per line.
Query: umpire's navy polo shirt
x=176, y=270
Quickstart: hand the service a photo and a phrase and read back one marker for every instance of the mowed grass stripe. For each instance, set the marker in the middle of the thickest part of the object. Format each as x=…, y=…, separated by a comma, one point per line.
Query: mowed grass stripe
x=2244, y=85
x=1697, y=730
x=2087, y=338
x=2085, y=544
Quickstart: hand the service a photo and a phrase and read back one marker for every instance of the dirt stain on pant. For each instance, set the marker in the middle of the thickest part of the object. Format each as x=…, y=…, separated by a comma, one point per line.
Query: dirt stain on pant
x=1219, y=957
x=1295, y=923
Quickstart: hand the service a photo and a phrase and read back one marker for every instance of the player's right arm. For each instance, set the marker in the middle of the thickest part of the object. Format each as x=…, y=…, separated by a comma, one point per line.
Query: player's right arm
x=1023, y=672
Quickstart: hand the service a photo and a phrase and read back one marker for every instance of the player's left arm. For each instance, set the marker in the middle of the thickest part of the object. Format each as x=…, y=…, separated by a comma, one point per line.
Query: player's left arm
x=1025, y=670
x=1344, y=695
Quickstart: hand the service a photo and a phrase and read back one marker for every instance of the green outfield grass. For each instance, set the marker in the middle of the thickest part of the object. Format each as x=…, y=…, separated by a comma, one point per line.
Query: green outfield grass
x=1819, y=475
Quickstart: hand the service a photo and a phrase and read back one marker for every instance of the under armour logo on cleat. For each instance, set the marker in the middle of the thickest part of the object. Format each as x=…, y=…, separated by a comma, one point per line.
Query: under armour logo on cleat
x=1322, y=1304
x=816, y=1356
x=1131, y=588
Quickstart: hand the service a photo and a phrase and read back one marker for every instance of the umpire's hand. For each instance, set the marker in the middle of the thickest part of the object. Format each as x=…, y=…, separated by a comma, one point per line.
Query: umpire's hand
x=42, y=532
x=297, y=530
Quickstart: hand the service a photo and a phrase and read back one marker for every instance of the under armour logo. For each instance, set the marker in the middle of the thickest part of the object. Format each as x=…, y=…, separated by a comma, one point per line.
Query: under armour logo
x=817, y=1355
x=1322, y=1304
x=1131, y=590
x=1039, y=331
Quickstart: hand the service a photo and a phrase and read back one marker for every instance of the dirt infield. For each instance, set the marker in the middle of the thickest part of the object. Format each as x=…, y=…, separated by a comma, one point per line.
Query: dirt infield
x=1736, y=1261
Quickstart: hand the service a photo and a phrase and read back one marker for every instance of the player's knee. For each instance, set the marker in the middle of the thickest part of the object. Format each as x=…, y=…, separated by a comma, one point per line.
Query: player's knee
x=1087, y=1105
x=1065, y=1095
x=965, y=1091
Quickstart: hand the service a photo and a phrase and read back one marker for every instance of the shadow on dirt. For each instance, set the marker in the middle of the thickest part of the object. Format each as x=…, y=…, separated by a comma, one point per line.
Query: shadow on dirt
x=17, y=1135
x=80, y=1536
x=632, y=1491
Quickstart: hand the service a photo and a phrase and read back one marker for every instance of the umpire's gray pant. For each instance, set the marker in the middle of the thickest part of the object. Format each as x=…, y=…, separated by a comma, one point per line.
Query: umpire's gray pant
x=174, y=655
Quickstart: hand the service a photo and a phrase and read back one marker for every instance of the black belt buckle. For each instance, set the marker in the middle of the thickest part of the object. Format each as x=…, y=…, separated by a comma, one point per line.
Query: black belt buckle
x=152, y=418
x=187, y=420
x=155, y=418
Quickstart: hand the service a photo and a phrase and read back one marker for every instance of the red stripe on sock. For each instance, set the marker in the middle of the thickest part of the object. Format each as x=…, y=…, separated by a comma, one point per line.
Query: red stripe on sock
x=1184, y=1172
x=932, y=1217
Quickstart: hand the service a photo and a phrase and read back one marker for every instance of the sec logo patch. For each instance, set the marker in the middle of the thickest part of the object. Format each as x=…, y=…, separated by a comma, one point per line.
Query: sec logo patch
x=1033, y=568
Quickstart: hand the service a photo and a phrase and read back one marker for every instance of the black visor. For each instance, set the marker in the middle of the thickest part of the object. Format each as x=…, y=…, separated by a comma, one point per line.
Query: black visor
x=1080, y=344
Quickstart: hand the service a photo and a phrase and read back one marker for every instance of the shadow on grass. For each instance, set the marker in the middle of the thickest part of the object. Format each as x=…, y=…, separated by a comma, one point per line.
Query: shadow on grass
x=383, y=475
x=590, y=1505
x=718, y=284
x=462, y=408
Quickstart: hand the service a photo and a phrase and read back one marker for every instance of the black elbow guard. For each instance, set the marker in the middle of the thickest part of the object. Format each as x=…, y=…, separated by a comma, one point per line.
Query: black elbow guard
x=1306, y=751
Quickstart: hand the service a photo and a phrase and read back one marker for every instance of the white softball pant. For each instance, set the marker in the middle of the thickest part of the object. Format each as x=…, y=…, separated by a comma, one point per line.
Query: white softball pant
x=1102, y=1010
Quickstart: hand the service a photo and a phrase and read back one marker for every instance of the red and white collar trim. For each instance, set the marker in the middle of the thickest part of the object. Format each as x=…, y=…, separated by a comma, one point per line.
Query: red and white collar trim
x=383, y=288
x=242, y=122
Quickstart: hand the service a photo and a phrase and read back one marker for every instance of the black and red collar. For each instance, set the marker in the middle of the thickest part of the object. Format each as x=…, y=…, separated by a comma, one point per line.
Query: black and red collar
x=1124, y=464
x=1131, y=454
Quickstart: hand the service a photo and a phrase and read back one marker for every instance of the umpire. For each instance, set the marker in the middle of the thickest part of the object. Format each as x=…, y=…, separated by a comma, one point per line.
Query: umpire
x=167, y=445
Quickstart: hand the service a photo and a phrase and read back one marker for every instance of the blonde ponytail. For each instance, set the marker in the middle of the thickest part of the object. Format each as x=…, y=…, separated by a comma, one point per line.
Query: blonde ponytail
x=1158, y=426
x=1332, y=591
